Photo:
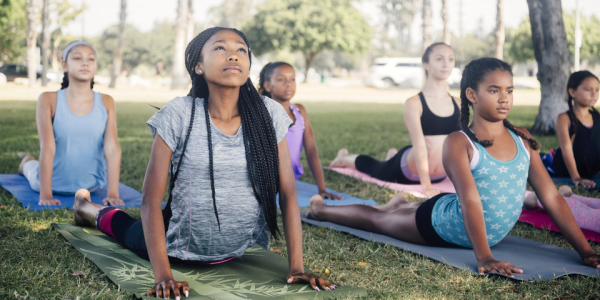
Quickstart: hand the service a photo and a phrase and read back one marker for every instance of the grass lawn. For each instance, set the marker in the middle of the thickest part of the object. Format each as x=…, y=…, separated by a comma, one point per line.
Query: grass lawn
x=38, y=263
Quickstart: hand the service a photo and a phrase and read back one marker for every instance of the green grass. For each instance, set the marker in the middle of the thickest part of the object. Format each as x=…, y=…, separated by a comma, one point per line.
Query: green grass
x=38, y=263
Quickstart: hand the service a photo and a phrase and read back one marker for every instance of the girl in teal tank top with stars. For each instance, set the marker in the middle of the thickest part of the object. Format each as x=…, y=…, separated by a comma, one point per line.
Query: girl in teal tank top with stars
x=489, y=163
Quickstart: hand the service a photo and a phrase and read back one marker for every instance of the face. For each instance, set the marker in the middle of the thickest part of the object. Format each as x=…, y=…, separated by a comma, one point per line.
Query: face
x=586, y=94
x=493, y=98
x=441, y=62
x=81, y=63
x=225, y=60
x=282, y=83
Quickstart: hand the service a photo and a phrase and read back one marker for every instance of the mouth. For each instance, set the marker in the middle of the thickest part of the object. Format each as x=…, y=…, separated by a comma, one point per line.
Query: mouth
x=503, y=110
x=84, y=71
x=233, y=69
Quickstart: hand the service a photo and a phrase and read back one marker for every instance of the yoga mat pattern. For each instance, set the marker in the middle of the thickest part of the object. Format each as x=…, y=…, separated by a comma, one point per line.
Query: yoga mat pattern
x=19, y=187
x=541, y=219
x=307, y=190
x=258, y=274
x=538, y=261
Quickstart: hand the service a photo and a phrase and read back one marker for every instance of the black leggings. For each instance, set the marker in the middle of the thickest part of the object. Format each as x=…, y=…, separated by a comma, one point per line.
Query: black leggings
x=388, y=170
x=128, y=232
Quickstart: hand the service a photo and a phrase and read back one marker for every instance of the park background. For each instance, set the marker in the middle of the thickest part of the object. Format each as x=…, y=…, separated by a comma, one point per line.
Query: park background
x=132, y=36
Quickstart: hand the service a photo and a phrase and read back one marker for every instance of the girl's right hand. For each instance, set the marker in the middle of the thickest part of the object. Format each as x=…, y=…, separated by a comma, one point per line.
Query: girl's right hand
x=163, y=289
x=49, y=201
x=586, y=183
x=496, y=266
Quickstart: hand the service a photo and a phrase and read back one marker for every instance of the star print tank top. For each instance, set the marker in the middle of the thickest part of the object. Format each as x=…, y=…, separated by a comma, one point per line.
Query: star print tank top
x=501, y=186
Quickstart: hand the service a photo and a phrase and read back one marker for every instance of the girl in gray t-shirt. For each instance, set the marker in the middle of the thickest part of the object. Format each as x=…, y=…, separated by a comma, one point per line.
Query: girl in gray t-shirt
x=229, y=159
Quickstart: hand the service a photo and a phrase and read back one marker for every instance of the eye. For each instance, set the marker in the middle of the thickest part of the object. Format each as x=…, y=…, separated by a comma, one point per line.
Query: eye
x=494, y=91
x=242, y=50
x=219, y=48
x=510, y=91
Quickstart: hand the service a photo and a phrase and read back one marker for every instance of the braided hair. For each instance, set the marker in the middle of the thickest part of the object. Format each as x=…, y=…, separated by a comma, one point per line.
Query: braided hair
x=65, y=83
x=575, y=80
x=265, y=75
x=260, y=141
x=473, y=74
x=427, y=53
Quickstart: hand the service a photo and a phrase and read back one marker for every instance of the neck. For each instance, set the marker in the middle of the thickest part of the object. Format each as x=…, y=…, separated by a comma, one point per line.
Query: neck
x=285, y=104
x=435, y=87
x=580, y=110
x=78, y=90
x=487, y=130
x=223, y=102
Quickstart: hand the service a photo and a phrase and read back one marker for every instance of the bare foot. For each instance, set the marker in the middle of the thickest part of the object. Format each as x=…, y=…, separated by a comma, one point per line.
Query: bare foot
x=394, y=203
x=391, y=153
x=565, y=191
x=338, y=161
x=316, y=203
x=530, y=202
x=26, y=158
x=84, y=211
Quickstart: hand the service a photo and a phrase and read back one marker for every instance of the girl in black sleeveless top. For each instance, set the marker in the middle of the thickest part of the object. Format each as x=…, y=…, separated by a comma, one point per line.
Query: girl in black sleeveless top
x=420, y=163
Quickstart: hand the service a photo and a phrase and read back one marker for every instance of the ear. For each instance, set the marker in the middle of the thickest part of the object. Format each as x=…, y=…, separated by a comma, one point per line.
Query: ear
x=267, y=86
x=571, y=93
x=471, y=95
x=199, y=68
x=426, y=67
x=64, y=66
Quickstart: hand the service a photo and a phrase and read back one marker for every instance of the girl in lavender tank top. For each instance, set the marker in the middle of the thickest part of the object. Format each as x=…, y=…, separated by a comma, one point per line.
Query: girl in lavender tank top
x=278, y=81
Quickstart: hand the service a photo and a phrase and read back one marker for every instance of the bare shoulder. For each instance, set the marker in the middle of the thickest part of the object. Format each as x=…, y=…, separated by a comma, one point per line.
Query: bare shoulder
x=413, y=104
x=563, y=118
x=456, y=99
x=108, y=101
x=524, y=132
x=301, y=107
x=47, y=97
x=457, y=138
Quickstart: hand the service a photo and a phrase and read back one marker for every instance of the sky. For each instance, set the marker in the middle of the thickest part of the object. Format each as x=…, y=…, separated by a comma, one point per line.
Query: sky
x=144, y=13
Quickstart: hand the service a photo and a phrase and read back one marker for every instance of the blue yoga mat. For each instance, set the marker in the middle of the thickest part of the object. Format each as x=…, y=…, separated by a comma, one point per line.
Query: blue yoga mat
x=307, y=190
x=19, y=187
x=569, y=182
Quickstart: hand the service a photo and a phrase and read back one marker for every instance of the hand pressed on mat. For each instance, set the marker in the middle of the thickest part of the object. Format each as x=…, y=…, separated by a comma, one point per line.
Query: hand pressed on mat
x=163, y=289
x=496, y=266
x=312, y=280
x=328, y=195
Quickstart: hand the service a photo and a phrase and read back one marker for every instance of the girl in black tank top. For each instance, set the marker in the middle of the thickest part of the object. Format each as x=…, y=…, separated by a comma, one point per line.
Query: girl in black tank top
x=436, y=125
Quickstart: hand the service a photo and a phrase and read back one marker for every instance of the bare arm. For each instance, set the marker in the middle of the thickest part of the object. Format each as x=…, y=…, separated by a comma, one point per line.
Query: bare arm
x=43, y=116
x=112, y=152
x=412, y=118
x=310, y=147
x=566, y=147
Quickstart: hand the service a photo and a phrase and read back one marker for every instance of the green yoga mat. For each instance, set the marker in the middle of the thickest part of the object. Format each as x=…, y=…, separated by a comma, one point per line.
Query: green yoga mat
x=258, y=274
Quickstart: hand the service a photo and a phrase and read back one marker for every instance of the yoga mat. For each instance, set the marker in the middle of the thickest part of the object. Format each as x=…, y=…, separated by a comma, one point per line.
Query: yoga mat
x=538, y=261
x=541, y=219
x=19, y=187
x=307, y=190
x=569, y=182
x=258, y=274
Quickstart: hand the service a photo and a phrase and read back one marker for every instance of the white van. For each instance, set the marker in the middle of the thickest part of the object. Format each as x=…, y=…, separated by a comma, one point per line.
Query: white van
x=405, y=72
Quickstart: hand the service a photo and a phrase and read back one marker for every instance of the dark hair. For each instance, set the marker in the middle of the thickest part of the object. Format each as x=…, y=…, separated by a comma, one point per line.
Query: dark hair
x=427, y=53
x=65, y=83
x=260, y=141
x=265, y=75
x=575, y=80
x=473, y=74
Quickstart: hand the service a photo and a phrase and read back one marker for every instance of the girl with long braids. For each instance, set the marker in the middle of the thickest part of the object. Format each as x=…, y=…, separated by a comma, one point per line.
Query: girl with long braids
x=229, y=159
x=489, y=165
x=578, y=133
x=77, y=129
x=429, y=117
x=278, y=82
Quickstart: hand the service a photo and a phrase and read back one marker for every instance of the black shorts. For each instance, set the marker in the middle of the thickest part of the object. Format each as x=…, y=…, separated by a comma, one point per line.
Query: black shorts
x=423, y=220
x=388, y=170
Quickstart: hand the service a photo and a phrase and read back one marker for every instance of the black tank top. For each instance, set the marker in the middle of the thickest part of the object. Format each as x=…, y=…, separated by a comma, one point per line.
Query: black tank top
x=434, y=125
x=586, y=150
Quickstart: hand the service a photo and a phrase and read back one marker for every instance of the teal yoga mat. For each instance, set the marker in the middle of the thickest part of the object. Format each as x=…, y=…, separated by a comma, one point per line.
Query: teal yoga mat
x=307, y=190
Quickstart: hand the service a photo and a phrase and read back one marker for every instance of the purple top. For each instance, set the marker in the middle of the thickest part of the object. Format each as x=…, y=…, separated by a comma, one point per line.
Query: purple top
x=294, y=139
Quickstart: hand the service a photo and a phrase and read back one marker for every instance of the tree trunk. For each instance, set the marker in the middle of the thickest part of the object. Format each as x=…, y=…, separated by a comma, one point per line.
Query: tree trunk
x=179, y=80
x=427, y=40
x=190, y=22
x=447, y=36
x=499, y=40
x=552, y=56
x=55, y=45
x=118, y=59
x=32, y=57
x=308, y=58
x=45, y=40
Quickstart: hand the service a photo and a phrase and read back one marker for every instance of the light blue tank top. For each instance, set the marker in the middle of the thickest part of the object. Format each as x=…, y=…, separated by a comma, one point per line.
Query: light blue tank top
x=501, y=186
x=79, y=161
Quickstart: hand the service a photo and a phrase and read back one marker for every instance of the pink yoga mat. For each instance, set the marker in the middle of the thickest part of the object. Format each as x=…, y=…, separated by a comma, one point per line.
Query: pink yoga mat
x=540, y=219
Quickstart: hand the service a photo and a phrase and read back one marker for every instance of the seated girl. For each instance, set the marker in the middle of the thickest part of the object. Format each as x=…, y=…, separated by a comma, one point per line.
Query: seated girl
x=578, y=133
x=77, y=128
x=278, y=82
x=489, y=165
x=229, y=159
x=429, y=118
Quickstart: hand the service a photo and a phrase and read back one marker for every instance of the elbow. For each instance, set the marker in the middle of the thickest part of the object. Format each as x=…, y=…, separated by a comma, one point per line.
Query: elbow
x=112, y=151
x=47, y=149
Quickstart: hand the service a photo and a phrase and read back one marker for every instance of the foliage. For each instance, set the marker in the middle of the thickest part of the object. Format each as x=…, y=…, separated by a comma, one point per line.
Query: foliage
x=398, y=14
x=471, y=47
x=13, y=29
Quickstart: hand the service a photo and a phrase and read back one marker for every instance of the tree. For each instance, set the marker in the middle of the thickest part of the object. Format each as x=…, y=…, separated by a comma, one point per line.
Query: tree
x=552, y=55
x=65, y=13
x=519, y=47
x=178, y=78
x=118, y=58
x=45, y=40
x=427, y=40
x=189, y=32
x=499, y=33
x=399, y=14
x=447, y=36
x=13, y=28
x=33, y=20
x=308, y=26
x=232, y=13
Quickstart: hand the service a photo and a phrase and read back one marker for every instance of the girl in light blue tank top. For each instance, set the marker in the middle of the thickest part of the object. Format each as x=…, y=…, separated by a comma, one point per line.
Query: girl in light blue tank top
x=489, y=165
x=79, y=147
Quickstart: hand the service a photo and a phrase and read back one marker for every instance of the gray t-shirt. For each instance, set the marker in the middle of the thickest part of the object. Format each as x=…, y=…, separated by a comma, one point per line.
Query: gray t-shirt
x=193, y=229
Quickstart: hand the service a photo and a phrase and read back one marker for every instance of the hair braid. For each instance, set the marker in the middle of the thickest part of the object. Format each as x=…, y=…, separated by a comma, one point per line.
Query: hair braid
x=65, y=82
x=533, y=143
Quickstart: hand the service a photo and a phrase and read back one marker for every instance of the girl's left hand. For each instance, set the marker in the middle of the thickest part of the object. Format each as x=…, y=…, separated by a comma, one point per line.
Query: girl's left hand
x=592, y=261
x=328, y=195
x=112, y=201
x=312, y=280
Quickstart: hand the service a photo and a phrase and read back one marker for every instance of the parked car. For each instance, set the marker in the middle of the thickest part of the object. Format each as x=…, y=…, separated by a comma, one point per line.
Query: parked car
x=13, y=71
x=406, y=72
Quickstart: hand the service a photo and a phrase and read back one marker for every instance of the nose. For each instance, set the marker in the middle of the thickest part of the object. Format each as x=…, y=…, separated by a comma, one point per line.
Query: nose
x=233, y=58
